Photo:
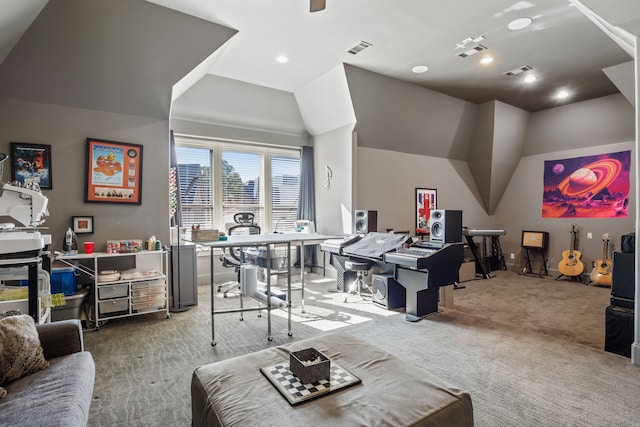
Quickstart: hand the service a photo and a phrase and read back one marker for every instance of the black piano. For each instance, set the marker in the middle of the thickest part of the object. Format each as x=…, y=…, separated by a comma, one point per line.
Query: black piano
x=420, y=268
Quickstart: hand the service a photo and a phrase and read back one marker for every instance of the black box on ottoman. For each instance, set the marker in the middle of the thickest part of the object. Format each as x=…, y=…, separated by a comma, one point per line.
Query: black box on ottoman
x=309, y=365
x=619, y=330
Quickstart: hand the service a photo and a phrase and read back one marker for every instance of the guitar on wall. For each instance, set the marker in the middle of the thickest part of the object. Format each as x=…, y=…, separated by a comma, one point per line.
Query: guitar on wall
x=571, y=265
x=601, y=274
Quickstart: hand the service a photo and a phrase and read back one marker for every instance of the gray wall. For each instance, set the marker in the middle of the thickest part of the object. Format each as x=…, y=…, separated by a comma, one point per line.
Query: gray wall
x=66, y=130
x=386, y=179
x=522, y=206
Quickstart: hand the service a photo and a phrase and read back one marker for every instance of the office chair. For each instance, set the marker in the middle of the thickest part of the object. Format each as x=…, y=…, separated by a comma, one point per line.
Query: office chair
x=232, y=256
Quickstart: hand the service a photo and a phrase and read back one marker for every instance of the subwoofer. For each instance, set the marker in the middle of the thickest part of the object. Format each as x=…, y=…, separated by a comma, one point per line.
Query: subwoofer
x=623, y=275
x=387, y=292
x=365, y=221
x=446, y=226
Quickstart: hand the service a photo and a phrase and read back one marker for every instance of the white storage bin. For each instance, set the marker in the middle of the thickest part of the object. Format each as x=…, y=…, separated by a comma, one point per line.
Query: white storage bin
x=113, y=291
x=154, y=302
x=113, y=306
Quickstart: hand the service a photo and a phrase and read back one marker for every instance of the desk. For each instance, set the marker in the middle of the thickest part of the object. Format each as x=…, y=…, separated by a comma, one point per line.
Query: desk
x=268, y=240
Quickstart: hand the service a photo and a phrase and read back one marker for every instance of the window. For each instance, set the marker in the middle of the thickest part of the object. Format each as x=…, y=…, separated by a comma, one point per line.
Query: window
x=219, y=179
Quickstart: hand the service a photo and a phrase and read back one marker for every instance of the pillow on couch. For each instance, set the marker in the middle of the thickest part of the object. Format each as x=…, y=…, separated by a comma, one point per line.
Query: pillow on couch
x=20, y=350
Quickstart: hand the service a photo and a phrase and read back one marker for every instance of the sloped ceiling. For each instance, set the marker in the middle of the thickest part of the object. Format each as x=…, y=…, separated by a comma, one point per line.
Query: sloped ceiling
x=15, y=18
x=223, y=101
x=119, y=56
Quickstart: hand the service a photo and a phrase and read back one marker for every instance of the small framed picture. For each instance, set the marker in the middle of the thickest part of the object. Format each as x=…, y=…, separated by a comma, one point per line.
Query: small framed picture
x=82, y=224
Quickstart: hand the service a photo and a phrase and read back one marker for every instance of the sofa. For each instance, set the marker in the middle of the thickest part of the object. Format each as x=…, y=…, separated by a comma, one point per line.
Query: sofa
x=60, y=394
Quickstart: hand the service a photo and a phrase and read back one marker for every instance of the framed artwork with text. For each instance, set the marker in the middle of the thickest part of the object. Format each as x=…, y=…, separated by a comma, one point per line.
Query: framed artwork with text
x=114, y=172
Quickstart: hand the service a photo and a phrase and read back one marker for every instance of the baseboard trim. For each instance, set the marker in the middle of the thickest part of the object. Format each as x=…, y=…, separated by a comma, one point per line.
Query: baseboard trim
x=635, y=353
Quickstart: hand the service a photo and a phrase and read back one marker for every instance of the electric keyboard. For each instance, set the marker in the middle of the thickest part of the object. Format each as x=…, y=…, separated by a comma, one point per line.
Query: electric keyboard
x=335, y=245
x=480, y=232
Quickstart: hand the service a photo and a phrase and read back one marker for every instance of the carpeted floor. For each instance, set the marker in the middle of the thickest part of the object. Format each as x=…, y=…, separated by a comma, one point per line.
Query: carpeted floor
x=528, y=350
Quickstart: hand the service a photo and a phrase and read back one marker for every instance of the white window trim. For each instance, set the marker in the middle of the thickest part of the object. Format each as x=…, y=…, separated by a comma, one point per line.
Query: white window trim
x=218, y=145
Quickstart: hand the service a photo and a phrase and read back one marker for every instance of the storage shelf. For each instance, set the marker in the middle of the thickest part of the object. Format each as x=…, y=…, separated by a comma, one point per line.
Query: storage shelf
x=131, y=296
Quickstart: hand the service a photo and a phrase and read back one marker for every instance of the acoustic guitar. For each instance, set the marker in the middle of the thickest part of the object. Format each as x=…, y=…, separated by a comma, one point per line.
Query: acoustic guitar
x=601, y=274
x=571, y=264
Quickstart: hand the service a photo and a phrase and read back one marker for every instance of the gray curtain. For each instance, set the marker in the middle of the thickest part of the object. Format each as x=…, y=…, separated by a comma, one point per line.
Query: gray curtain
x=307, y=200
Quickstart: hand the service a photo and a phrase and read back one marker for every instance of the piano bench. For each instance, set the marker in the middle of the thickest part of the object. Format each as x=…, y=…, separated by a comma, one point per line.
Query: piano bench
x=361, y=267
x=357, y=265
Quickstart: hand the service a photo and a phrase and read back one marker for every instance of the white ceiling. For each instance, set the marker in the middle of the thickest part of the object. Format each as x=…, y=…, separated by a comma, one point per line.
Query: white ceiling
x=565, y=49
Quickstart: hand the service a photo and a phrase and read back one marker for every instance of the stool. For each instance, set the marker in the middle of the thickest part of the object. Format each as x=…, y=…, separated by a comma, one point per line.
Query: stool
x=361, y=267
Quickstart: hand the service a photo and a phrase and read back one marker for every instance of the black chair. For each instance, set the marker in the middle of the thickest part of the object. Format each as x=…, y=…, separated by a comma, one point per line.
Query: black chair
x=232, y=256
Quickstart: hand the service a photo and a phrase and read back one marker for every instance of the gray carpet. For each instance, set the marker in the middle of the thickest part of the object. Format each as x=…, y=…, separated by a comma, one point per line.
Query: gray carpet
x=528, y=350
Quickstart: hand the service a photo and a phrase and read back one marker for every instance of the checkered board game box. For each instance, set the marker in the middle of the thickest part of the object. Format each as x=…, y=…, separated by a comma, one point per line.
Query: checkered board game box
x=295, y=392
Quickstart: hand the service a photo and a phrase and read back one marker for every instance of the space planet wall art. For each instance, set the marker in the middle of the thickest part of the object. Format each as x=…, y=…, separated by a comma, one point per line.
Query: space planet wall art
x=587, y=187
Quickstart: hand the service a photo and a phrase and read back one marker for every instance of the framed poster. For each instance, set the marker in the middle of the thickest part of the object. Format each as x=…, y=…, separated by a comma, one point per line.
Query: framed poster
x=595, y=186
x=425, y=202
x=114, y=172
x=31, y=163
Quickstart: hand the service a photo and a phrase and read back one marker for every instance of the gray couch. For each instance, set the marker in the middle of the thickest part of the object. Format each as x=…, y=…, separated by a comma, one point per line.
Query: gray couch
x=59, y=395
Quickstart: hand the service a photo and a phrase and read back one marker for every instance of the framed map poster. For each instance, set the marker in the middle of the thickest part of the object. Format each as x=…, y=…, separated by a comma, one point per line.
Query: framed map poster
x=114, y=172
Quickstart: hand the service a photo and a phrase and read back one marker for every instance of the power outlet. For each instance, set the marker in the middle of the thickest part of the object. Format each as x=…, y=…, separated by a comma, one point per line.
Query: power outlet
x=512, y=256
x=589, y=235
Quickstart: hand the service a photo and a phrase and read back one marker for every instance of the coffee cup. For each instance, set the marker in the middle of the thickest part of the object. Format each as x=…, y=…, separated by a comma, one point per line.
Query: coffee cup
x=88, y=247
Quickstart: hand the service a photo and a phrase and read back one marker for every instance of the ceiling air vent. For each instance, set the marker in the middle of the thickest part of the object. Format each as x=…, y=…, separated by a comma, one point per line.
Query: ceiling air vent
x=472, y=51
x=359, y=47
x=517, y=70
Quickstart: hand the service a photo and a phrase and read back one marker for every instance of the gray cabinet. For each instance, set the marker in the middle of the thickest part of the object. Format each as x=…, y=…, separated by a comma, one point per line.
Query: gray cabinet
x=184, y=277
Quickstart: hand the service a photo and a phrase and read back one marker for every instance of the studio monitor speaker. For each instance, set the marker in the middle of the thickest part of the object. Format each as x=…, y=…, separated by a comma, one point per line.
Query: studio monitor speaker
x=387, y=292
x=365, y=221
x=446, y=226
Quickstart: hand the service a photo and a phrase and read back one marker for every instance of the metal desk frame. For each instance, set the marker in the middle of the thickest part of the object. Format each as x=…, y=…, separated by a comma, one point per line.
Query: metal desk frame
x=33, y=265
x=268, y=241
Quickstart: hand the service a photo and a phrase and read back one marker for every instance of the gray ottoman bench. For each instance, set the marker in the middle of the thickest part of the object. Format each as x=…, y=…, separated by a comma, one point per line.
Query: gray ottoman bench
x=234, y=392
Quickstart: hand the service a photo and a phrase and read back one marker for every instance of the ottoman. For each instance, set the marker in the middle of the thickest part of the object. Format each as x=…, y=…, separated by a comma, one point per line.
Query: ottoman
x=234, y=392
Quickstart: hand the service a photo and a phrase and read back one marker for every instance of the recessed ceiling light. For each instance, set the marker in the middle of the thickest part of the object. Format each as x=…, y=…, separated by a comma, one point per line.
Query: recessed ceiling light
x=282, y=59
x=530, y=78
x=420, y=69
x=520, y=23
x=486, y=60
x=562, y=94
